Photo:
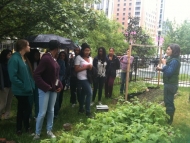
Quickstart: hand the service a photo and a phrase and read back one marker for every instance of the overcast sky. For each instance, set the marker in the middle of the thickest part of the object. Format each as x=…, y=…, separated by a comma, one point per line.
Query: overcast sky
x=177, y=9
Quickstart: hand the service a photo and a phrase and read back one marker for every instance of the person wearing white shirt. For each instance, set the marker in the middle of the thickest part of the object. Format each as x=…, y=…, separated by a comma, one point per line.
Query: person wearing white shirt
x=83, y=62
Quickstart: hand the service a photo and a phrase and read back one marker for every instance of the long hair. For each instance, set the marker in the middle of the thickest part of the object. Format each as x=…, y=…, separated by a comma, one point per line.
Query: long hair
x=3, y=57
x=66, y=57
x=31, y=55
x=103, y=54
x=84, y=46
x=175, y=50
x=21, y=44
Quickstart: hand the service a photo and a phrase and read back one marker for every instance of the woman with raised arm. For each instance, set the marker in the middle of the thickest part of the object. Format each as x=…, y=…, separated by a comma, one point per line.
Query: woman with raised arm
x=170, y=69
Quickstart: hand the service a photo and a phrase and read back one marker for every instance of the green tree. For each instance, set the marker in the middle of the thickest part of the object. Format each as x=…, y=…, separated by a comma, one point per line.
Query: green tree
x=179, y=34
x=69, y=18
x=107, y=33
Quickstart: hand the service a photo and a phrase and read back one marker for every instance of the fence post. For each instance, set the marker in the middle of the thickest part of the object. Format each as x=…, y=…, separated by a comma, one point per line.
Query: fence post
x=159, y=66
x=128, y=70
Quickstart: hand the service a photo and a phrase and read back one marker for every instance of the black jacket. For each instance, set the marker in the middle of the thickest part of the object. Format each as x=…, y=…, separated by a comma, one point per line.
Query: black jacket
x=7, y=82
x=112, y=66
x=1, y=79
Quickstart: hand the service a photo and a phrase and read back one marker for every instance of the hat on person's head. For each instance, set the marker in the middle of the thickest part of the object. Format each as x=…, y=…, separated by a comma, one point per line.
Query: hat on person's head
x=54, y=44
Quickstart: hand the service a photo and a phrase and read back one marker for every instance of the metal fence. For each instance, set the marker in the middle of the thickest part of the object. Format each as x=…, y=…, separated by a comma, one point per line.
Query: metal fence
x=144, y=69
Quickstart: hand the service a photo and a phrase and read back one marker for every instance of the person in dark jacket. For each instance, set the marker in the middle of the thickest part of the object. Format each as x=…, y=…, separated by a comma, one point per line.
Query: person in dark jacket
x=100, y=63
x=5, y=93
x=73, y=79
x=46, y=77
x=22, y=83
x=62, y=61
x=170, y=69
x=34, y=58
x=112, y=66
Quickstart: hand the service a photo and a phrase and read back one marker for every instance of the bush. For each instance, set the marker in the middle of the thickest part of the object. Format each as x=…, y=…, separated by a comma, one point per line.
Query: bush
x=131, y=122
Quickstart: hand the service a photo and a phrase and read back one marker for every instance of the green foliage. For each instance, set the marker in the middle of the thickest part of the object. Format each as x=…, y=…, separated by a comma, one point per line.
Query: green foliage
x=179, y=34
x=107, y=34
x=137, y=87
x=133, y=122
x=68, y=18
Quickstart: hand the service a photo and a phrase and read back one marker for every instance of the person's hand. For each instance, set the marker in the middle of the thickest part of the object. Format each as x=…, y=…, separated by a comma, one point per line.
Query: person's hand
x=158, y=68
x=58, y=90
x=163, y=61
x=89, y=66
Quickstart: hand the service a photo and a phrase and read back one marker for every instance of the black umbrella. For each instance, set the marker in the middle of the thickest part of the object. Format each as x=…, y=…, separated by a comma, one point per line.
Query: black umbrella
x=42, y=41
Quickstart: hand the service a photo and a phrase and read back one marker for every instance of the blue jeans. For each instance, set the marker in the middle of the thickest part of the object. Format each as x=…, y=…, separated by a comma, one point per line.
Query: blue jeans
x=85, y=94
x=123, y=81
x=46, y=105
x=169, y=92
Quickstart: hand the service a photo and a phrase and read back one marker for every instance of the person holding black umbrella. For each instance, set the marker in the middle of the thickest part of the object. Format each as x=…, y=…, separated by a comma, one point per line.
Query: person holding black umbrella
x=47, y=79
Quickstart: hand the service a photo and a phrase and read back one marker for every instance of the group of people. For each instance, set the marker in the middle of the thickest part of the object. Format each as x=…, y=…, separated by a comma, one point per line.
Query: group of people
x=40, y=80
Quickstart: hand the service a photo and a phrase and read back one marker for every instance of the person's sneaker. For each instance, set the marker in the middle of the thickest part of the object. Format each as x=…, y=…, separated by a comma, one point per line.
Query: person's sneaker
x=100, y=103
x=81, y=111
x=36, y=137
x=89, y=115
x=73, y=105
x=50, y=134
x=91, y=104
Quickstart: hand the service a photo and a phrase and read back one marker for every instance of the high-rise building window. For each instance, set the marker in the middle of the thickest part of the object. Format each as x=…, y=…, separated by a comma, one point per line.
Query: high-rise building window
x=118, y=0
x=123, y=23
x=118, y=9
x=124, y=0
x=117, y=14
x=129, y=13
x=123, y=14
x=137, y=8
x=137, y=13
x=124, y=4
x=117, y=18
x=138, y=3
x=130, y=4
x=118, y=4
x=124, y=9
x=129, y=8
x=123, y=18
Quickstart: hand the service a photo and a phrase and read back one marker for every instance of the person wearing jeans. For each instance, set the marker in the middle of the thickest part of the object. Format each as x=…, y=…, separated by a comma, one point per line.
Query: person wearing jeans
x=123, y=64
x=83, y=62
x=170, y=69
x=47, y=79
x=112, y=66
x=100, y=63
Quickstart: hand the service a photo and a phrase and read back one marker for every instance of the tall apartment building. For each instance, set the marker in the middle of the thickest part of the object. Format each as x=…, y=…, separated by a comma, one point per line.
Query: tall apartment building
x=106, y=6
x=147, y=10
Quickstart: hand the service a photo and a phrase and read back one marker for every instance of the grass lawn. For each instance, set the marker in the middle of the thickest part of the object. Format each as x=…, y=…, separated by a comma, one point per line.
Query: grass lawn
x=70, y=115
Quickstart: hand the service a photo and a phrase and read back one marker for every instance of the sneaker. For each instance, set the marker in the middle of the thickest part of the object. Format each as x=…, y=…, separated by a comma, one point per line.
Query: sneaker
x=81, y=111
x=89, y=115
x=50, y=134
x=36, y=137
x=100, y=103
x=73, y=105
x=91, y=104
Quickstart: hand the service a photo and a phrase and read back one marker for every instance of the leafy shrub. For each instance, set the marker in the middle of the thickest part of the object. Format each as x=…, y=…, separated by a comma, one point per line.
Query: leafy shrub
x=137, y=87
x=131, y=122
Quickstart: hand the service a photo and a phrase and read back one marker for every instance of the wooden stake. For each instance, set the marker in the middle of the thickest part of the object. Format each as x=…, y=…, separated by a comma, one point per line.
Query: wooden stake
x=128, y=71
x=159, y=66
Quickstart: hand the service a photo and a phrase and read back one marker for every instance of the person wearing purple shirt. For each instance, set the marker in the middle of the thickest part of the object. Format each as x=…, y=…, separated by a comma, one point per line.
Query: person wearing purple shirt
x=47, y=79
x=123, y=64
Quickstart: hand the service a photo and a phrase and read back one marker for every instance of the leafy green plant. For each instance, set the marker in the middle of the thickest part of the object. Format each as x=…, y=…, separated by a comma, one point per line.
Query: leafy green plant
x=137, y=87
x=131, y=122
